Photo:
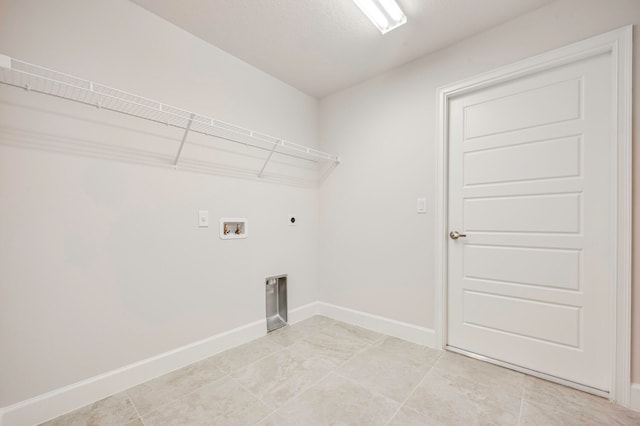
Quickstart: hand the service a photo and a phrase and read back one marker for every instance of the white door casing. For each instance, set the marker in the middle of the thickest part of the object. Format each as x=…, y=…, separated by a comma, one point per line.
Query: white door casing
x=535, y=246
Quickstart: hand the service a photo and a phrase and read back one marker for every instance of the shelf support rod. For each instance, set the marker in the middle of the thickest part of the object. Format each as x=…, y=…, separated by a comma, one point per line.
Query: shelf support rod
x=264, y=166
x=184, y=139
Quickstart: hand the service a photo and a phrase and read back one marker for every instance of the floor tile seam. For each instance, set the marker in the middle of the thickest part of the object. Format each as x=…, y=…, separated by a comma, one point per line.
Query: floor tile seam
x=265, y=417
x=568, y=406
x=336, y=363
x=480, y=383
x=184, y=395
x=256, y=397
x=362, y=339
x=282, y=348
x=403, y=407
x=363, y=385
x=333, y=337
x=496, y=368
x=371, y=345
x=598, y=400
x=401, y=352
x=134, y=407
x=294, y=352
x=127, y=391
x=486, y=388
x=521, y=403
x=413, y=391
x=347, y=337
x=573, y=411
x=358, y=352
x=314, y=328
x=306, y=334
x=305, y=390
x=333, y=322
x=393, y=360
x=293, y=342
x=229, y=373
x=391, y=354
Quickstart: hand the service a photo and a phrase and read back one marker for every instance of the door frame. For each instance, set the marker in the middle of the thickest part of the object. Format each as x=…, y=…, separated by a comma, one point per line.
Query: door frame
x=619, y=44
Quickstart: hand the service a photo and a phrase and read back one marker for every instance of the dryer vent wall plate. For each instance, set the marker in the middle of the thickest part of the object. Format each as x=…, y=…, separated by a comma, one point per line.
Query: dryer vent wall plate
x=233, y=228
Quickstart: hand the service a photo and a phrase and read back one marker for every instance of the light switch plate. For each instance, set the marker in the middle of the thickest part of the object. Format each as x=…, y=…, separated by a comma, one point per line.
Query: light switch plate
x=421, y=205
x=203, y=218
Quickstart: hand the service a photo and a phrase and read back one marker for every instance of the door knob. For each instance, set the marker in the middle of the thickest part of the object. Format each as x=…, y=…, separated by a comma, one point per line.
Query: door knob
x=455, y=235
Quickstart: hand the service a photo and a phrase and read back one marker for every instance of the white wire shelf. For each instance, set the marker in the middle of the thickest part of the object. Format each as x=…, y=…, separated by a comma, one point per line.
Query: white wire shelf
x=39, y=79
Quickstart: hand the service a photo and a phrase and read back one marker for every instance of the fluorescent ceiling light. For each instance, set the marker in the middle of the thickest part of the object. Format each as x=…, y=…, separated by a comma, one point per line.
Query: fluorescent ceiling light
x=386, y=15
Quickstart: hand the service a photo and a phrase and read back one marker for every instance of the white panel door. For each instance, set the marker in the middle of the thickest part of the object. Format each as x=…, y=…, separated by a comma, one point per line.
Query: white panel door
x=530, y=167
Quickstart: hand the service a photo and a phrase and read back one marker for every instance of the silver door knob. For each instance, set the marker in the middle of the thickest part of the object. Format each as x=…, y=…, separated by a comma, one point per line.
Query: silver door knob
x=455, y=235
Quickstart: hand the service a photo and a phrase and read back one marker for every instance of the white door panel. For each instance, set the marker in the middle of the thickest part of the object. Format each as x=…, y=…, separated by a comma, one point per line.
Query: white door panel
x=521, y=162
x=548, y=213
x=530, y=164
x=555, y=322
x=545, y=267
x=531, y=107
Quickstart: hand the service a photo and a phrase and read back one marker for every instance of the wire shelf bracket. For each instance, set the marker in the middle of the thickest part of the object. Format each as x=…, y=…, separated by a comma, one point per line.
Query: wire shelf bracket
x=35, y=78
x=264, y=166
x=184, y=139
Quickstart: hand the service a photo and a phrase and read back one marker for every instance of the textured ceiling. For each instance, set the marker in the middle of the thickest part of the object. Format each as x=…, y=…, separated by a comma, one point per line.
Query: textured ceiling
x=322, y=46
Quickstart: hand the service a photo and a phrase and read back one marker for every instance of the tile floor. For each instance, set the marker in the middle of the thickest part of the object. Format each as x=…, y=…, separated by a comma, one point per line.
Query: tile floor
x=325, y=372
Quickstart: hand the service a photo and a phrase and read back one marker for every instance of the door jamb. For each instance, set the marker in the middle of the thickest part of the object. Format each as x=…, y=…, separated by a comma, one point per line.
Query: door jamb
x=619, y=44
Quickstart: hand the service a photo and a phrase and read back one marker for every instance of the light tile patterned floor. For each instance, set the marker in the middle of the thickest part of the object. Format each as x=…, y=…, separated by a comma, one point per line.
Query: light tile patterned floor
x=324, y=372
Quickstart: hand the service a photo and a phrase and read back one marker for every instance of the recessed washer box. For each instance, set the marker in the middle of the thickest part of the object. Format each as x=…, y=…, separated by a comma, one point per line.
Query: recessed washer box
x=276, y=301
x=233, y=228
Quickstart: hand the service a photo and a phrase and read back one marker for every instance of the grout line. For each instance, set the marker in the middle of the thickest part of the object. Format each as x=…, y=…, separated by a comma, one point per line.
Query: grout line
x=357, y=383
x=250, y=392
x=403, y=403
x=181, y=396
x=314, y=330
x=333, y=370
x=126, y=392
x=524, y=389
x=293, y=398
x=235, y=370
x=291, y=352
x=265, y=417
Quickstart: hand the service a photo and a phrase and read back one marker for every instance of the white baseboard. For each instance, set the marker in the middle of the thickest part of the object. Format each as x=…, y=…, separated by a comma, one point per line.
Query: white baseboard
x=63, y=400
x=401, y=330
x=60, y=401
x=303, y=312
x=634, y=399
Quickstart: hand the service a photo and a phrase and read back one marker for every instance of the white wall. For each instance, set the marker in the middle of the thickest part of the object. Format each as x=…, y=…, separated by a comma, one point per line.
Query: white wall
x=377, y=253
x=101, y=261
